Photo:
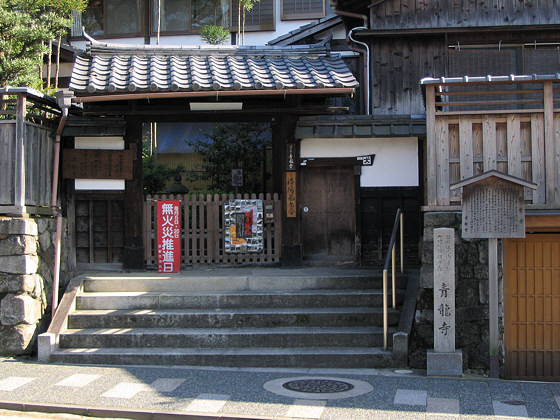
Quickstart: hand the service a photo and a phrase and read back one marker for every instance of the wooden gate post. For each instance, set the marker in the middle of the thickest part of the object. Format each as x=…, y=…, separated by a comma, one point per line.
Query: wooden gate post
x=283, y=141
x=133, y=257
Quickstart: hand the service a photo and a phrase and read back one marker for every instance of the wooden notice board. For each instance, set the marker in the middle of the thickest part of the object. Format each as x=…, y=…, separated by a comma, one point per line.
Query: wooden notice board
x=97, y=164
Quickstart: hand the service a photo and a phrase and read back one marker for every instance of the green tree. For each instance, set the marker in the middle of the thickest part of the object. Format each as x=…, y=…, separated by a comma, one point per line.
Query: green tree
x=27, y=27
x=63, y=11
x=233, y=146
x=214, y=35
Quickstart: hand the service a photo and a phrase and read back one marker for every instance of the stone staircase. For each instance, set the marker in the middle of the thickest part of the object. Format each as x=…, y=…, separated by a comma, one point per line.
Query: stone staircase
x=267, y=318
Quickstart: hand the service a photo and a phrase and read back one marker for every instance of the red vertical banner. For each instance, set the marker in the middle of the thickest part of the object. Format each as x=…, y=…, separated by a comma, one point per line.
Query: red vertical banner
x=169, y=236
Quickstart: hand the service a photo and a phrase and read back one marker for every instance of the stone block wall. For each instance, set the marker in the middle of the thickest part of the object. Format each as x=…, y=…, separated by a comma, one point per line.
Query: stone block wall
x=471, y=296
x=26, y=264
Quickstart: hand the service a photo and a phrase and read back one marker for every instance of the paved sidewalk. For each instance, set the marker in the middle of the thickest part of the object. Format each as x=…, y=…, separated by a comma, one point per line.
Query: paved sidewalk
x=184, y=392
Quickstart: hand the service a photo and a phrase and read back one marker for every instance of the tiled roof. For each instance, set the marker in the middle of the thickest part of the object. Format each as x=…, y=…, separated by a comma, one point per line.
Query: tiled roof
x=347, y=126
x=116, y=68
x=310, y=29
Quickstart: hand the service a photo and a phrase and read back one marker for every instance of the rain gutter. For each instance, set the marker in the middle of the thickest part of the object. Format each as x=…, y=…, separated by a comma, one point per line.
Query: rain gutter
x=364, y=51
x=64, y=103
x=214, y=94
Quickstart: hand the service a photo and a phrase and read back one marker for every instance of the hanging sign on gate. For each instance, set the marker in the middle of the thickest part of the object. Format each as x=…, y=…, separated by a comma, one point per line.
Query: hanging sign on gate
x=168, y=223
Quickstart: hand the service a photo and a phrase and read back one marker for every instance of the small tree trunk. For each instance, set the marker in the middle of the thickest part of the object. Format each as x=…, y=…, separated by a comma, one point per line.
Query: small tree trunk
x=57, y=73
x=49, y=65
x=244, y=10
x=41, y=65
x=239, y=22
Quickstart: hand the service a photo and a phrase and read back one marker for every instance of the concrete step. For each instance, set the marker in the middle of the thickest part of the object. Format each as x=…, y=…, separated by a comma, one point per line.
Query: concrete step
x=350, y=357
x=215, y=338
x=259, y=281
x=231, y=318
x=237, y=299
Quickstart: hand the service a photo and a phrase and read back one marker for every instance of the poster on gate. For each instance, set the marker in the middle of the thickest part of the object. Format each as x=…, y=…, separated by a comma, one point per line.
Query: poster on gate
x=168, y=222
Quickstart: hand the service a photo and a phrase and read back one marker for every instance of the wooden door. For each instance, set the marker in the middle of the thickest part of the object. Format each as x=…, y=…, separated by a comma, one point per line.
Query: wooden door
x=532, y=307
x=328, y=214
x=99, y=230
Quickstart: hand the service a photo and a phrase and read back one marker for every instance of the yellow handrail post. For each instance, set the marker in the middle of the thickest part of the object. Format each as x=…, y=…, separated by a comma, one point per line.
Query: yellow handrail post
x=402, y=242
x=393, y=278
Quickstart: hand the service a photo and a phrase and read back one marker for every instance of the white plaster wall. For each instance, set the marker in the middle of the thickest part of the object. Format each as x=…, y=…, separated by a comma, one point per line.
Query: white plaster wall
x=395, y=164
x=98, y=143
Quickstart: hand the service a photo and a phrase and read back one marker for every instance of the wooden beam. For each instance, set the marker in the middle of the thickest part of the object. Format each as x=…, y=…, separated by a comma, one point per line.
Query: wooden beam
x=514, y=150
x=549, y=141
x=431, y=144
x=466, y=147
x=133, y=201
x=19, y=158
x=537, y=158
x=489, y=151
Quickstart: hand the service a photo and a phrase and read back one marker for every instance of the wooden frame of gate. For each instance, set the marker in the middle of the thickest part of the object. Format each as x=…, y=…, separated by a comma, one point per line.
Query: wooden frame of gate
x=202, y=230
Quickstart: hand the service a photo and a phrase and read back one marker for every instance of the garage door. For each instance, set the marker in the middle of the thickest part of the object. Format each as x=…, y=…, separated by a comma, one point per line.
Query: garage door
x=532, y=307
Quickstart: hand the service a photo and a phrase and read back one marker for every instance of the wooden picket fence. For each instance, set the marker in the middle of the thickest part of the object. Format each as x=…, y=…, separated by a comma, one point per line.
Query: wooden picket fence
x=202, y=230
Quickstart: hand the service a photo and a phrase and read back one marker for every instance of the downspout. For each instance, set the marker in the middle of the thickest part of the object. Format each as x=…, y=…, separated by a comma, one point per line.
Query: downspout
x=64, y=103
x=364, y=51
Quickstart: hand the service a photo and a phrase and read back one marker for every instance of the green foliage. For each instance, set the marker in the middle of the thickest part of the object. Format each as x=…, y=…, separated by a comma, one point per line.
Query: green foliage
x=26, y=27
x=214, y=35
x=233, y=146
x=155, y=176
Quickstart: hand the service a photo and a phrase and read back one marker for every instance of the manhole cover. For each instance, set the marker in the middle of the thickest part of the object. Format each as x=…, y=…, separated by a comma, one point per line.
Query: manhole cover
x=318, y=386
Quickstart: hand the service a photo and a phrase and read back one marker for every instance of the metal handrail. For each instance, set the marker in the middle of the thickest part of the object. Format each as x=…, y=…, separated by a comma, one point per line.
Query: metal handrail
x=399, y=221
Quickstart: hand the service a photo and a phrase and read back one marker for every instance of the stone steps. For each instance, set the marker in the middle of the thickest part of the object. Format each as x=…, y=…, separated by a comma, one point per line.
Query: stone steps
x=230, y=318
x=275, y=319
x=338, y=357
x=237, y=299
x=285, y=337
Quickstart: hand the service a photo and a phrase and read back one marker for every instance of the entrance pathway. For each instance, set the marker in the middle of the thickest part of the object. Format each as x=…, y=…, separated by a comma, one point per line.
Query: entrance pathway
x=185, y=392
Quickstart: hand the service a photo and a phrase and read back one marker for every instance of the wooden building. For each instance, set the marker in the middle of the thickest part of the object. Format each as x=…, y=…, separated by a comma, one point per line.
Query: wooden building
x=120, y=87
x=488, y=100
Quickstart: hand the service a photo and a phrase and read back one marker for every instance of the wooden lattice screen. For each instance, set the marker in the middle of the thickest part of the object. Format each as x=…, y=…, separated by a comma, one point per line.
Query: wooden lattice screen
x=517, y=132
x=202, y=230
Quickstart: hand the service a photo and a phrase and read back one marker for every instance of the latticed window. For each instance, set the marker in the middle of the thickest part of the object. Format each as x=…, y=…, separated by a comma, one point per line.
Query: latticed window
x=302, y=9
x=121, y=18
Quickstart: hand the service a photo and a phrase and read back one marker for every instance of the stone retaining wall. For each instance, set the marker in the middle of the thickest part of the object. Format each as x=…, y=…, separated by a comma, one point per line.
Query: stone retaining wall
x=26, y=264
x=471, y=298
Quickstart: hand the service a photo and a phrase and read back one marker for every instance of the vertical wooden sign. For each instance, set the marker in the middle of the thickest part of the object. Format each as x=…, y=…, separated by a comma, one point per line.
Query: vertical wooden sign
x=291, y=184
x=168, y=223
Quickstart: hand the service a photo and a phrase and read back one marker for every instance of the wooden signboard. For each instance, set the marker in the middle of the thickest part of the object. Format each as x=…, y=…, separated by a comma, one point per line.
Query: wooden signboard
x=97, y=164
x=291, y=203
x=493, y=206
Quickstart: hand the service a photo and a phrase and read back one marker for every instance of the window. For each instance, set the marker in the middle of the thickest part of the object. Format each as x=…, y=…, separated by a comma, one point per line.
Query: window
x=119, y=18
x=260, y=18
x=186, y=16
x=114, y=17
x=302, y=9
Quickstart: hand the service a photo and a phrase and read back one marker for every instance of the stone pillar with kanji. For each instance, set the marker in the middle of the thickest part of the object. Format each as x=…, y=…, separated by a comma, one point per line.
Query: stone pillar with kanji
x=444, y=359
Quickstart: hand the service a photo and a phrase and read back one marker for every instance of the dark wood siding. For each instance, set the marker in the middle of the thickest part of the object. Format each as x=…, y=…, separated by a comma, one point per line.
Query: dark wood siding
x=397, y=67
x=378, y=209
x=394, y=14
x=99, y=228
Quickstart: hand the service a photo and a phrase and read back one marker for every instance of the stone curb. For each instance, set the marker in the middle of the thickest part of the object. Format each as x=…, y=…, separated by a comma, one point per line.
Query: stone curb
x=108, y=412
